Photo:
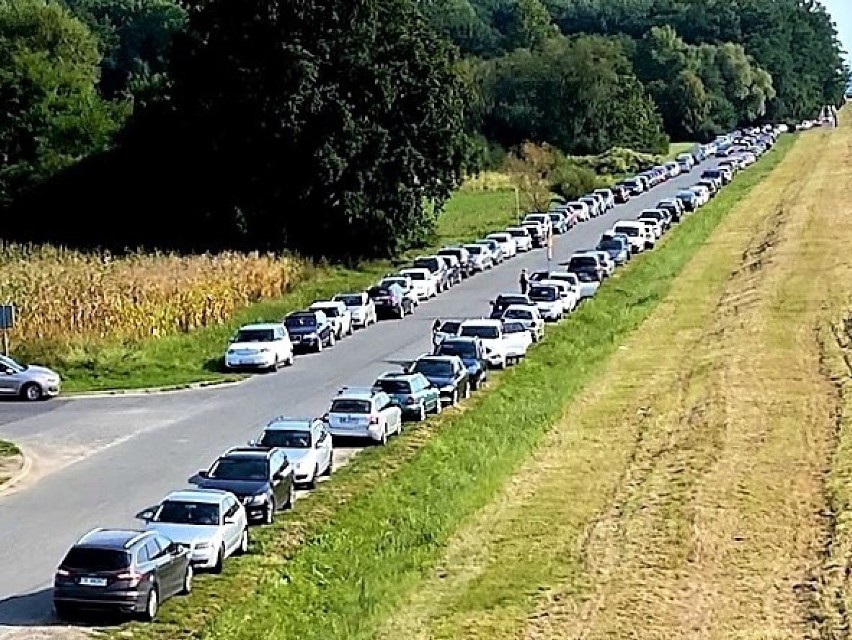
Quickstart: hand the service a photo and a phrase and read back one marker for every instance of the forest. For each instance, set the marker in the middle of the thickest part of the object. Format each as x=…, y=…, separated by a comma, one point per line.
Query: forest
x=338, y=128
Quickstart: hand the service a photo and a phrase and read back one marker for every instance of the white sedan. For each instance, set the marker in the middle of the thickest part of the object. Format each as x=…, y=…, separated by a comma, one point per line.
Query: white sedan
x=307, y=444
x=424, y=283
x=212, y=522
x=529, y=316
x=517, y=339
x=337, y=313
x=361, y=307
x=260, y=346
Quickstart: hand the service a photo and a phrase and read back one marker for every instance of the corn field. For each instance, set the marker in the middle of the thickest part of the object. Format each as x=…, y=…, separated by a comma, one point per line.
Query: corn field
x=67, y=296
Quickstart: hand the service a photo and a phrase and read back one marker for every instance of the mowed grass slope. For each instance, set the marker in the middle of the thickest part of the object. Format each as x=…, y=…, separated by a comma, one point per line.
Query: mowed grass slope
x=344, y=576
x=685, y=495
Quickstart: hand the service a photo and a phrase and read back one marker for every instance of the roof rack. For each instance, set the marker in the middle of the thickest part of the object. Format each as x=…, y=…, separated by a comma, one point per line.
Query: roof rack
x=356, y=389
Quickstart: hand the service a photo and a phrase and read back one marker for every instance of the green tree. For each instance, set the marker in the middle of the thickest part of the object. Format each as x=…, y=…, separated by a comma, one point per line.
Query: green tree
x=52, y=114
x=323, y=126
x=135, y=37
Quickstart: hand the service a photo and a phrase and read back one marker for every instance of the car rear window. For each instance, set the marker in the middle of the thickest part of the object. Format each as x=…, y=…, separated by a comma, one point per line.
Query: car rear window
x=90, y=559
x=477, y=331
x=543, y=294
x=450, y=327
x=394, y=386
x=583, y=262
x=345, y=405
x=514, y=327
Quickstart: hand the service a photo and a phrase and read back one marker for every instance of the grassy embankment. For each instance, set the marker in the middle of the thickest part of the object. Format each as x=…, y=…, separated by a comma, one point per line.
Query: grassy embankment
x=339, y=566
x=704, y=490
x=9, y=460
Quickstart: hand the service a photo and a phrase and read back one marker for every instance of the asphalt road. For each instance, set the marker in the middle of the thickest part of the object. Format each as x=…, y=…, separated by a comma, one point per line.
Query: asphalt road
x=99, y=461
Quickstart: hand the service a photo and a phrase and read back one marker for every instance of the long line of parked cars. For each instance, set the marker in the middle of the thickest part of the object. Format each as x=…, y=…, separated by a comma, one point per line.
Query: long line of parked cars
x=199, y=528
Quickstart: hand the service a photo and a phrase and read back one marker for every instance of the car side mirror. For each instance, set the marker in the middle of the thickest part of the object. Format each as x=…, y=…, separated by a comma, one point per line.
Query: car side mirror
x=198, y=476
x=252, y=443
x=147, y=514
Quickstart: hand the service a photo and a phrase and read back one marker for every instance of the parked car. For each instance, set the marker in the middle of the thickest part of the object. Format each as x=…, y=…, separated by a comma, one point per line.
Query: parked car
x=593, y=204
x=454, y=269
x=633, y=230
x=391, y=301
x=414, y=394
x=447, y=373
x=425, y=282
x=364, y=412
x=585, y=261
x=480, y=257
x=621, y=194
x=361, y=306
x=559, y=222
x=121, y=570
x=337, y=313
x=472, y=354
x=659, y=216
x=27, y=381
x=689, y=199
x=523, y=238
x=447, y=329
x=541, y=219
x=590, y=282
x=310, y=330
x=617, y=248
x=405, y=284
x=548, y=300
x=502, y=301
x=437, y=267
x=673, y=208
x=463, y=256
x=608, y=197
x=307, y=444
x=529, y=315
x=518, y=340
x=581, y=209
x=260, y=346
x=490, y=332
x=211, y=522
x=495, y=248
x=568, y=284
x=606, y=261
x=261, y=478
x=508, y=246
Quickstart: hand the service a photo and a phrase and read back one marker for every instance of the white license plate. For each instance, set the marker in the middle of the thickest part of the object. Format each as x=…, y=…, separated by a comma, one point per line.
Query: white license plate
x=93, y=582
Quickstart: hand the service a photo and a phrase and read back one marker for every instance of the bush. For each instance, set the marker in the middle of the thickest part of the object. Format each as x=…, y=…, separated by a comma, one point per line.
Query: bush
x=572, y=181
x=617, y=161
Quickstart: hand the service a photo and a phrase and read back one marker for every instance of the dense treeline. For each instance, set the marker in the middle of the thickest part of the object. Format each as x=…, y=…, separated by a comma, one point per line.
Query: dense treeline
x=325, y=126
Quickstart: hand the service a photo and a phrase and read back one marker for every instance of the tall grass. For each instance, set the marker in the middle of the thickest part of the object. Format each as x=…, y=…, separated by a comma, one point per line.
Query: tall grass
x=66, y=296
x=345, y=574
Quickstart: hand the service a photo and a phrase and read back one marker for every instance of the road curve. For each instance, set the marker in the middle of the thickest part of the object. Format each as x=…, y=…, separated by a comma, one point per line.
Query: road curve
x=100, y=460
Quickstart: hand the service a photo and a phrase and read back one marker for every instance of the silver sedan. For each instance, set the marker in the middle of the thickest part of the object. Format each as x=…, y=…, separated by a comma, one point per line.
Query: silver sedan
x=29, y=382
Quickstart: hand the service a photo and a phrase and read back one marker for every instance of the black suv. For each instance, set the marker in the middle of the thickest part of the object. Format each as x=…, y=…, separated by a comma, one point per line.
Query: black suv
x=121, y=570
x=506, y=300
x=261, y=477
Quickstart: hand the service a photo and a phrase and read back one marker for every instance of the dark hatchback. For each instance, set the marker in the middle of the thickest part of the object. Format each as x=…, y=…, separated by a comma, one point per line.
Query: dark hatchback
x=472, y=355
x=309, y=330
x=447, y=373
x=261, y=477
x=506, y=300
x=121, y=571
x=390, y=301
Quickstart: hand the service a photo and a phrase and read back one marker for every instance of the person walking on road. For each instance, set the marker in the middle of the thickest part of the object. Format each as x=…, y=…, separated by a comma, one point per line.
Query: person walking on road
x=524, y=281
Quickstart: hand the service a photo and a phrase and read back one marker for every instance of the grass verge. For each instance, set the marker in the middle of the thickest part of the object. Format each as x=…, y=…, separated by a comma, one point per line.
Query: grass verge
x=9, y=464
x=344, y=569
x=677, y=148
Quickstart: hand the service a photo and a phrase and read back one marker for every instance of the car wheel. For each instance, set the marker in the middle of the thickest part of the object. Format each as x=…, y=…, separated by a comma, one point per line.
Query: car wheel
x=331, y=339
x=275, y=365
x=422, y=416
x=152, y=605
x=243, y=548
x=220, y=561
x=466, y=393
x=319, y=345
x=32, y=392
x=187, y=580
x=438, y=407
x=384, y=439
x=454, y=398
x=312, y=483
x=351, y=330
x=330, y=468
x=291, y=497
x=290, y=359
x=269, y=513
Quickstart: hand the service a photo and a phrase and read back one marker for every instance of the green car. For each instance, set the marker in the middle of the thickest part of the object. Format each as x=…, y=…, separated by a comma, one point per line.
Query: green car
x=416, y=396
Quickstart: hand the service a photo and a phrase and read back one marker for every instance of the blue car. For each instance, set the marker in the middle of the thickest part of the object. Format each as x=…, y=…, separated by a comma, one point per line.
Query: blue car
x=470, y=350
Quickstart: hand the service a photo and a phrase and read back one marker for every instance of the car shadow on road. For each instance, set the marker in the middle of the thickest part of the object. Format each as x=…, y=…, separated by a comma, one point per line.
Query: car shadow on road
x=36, y=610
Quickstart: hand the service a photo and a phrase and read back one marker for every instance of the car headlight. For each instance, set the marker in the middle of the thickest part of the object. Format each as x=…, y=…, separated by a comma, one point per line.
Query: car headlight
x=258, y=499
x=231, y=352
x=206, y=544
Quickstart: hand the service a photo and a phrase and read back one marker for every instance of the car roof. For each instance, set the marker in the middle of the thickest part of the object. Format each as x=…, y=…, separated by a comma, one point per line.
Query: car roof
x=263, y=325
x=521, y=307
x=436, y=357
x=246, y=452
x=459, y=339
x=482, y=321
x=398, y=375
x=283, y=423
x=326, y=303
x=208, y=496
x=414, y=269
x=121, y=539
x=356, y=393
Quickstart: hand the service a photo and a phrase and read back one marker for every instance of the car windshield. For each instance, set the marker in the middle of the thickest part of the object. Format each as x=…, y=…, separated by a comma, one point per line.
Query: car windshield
x=398, y=387
x=8, y=363
x=587, y=276
x=379, y=291
x=609, y=245
x=188, y=513
x=628, y=231
x=460, y=349
x=487, y=332
x=519, y=233
x=239, y=469
x=89, y=559
x=505, y=301
x=474, y=248
x=254, y=335
x=427, y=263
x=513, y=327
x=350, y=301
x=450, y=327
x=543, y=294
x=397, y=281
x=348, y=405
x=434, y=368
x=416, y=275
x=286, y=438
x=518, y=314
x=301, y=320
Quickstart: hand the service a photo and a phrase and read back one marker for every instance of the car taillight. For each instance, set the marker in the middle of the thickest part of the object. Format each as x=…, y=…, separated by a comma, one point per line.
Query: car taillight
x=62, y=573
x=374, y=419
x=130, y=576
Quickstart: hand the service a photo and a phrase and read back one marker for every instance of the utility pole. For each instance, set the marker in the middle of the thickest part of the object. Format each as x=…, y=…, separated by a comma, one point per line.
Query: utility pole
x=518, y=204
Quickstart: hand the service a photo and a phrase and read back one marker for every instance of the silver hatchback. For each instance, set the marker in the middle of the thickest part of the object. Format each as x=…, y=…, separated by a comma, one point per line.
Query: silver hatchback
x=29, y=382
